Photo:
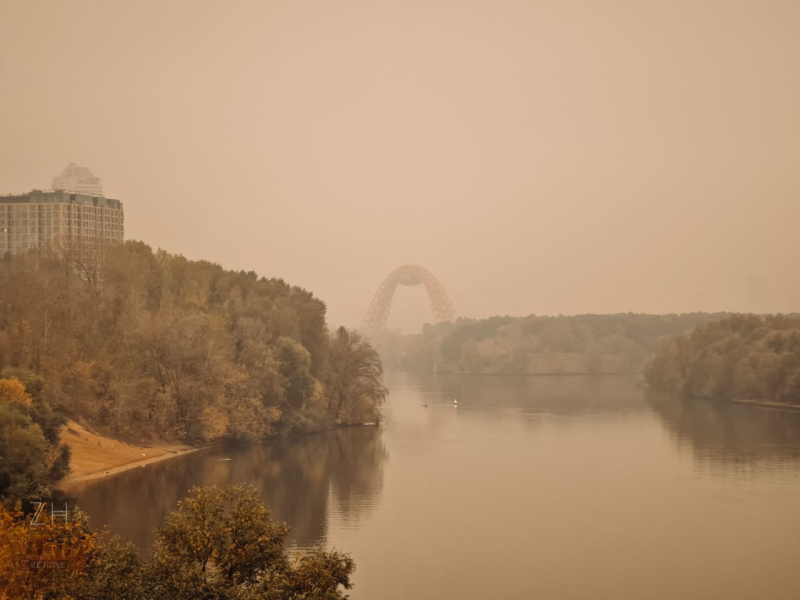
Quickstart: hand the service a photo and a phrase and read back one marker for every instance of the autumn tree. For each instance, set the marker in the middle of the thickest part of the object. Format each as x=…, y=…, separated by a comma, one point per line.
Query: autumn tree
x=354, y=379
x=224, y=544
x=13, y=390
x=47, y=559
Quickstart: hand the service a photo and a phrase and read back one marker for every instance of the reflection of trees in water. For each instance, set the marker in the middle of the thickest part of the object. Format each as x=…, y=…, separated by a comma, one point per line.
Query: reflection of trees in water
x=730, y=435
x=295, y=477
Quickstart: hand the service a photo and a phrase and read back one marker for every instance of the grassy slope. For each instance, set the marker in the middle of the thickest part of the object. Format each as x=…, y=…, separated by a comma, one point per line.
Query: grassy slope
x=95, y=456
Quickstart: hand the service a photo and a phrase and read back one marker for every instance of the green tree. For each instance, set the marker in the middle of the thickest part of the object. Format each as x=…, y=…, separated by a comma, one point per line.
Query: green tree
x=31, y=455
x=114, y=573
x=24, y=469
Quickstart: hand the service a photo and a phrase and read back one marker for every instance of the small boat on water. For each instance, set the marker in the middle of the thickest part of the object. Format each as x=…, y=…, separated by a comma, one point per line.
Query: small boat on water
x=455, y=402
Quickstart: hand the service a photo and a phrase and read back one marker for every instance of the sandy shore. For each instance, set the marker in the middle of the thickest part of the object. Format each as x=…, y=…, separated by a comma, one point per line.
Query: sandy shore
x=95, y=456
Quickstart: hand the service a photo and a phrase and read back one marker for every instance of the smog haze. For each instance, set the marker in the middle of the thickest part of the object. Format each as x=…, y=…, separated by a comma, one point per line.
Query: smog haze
x=537, y=157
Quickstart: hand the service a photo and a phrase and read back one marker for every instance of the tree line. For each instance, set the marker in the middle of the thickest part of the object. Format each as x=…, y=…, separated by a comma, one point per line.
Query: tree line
x=746, y=357
x=615, y=343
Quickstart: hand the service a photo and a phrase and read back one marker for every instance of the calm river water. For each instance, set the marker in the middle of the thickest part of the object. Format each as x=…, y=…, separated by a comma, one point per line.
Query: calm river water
x=560, y=487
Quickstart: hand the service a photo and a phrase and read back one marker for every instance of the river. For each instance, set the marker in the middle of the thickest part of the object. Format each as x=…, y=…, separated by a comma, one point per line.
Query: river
x=556, y=487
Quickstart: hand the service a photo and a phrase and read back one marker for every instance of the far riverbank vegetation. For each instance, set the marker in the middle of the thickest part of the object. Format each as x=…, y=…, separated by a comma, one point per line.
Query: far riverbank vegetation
x=722, y=356
x=742, y=357
x=618, y=343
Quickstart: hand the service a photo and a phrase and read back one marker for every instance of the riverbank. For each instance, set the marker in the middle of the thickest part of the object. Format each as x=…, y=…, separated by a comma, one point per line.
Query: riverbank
x=753, y=403
x=772, y=405
x=537, y=373
x=95, y=456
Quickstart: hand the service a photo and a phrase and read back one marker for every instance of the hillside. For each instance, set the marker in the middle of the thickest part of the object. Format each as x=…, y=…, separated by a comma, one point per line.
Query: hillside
x=95, y=455
x=144, y=345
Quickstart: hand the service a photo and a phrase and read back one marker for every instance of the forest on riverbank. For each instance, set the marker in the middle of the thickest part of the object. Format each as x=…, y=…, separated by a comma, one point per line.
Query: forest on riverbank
x=617, y=343
x=143, y=346
x=741, y=357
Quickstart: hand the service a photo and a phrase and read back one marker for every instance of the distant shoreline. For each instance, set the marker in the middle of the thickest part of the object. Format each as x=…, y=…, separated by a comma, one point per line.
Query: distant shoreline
x=739, y=401
x=756, y=403
x=770, y=405
x=545, y=374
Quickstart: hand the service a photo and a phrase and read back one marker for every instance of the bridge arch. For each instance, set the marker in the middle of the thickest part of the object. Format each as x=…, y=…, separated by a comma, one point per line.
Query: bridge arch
x=377, y=314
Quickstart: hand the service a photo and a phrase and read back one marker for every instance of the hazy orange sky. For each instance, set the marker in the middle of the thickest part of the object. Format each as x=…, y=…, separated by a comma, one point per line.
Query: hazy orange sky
x=537, y=157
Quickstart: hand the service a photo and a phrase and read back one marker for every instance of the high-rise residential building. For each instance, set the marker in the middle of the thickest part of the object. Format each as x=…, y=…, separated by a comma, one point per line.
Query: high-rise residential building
x=29, y=220
x=78, y=179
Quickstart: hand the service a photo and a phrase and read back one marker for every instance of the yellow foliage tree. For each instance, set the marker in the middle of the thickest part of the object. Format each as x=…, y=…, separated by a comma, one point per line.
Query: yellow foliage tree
x=48, y=557
x=215, y=421
x=13, y=390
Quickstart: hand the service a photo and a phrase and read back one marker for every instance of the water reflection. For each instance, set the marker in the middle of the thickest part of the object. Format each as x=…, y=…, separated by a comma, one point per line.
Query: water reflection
x=528, y=482
x=561, y=395
x=297, y=478
x=729, y=436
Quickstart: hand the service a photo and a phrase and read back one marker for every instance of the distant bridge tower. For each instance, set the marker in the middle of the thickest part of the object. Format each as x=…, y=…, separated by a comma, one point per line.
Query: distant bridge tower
x=378, y=312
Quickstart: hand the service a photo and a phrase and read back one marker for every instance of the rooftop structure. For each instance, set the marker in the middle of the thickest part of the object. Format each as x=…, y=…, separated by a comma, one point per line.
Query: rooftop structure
x=78, y=179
